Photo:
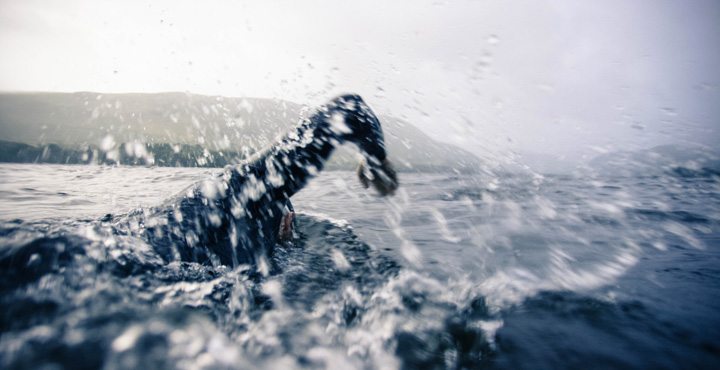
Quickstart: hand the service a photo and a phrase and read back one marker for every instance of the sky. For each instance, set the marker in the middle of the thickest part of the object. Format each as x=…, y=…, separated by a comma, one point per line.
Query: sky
x=568, y=78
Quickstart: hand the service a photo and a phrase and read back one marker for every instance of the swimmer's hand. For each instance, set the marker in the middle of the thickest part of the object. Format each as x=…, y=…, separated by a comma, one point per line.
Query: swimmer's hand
x=381, y=174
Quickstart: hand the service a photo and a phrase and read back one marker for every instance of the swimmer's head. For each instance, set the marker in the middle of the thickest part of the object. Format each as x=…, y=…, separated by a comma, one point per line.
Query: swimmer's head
x=350, y=119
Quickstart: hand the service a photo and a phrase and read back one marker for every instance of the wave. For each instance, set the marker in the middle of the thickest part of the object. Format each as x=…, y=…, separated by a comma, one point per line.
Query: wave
x=81, y=295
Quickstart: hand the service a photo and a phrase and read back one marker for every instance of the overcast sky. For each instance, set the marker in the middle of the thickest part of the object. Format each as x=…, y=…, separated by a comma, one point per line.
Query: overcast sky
x=559, y=77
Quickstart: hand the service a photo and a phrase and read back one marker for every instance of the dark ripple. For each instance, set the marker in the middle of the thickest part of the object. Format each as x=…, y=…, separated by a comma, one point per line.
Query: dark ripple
x=460, y=194
x=602, y=342
x=23, y=313
x=656, y=215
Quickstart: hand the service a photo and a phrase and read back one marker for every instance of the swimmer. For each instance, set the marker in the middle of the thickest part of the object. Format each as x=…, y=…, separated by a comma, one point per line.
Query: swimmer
x=240, y=216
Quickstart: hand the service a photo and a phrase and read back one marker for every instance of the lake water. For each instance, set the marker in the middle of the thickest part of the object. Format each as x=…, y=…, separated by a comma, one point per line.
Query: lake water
x=454, y=271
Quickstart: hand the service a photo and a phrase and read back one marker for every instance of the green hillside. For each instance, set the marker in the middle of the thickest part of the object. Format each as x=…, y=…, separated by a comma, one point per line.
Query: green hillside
x=174, y=127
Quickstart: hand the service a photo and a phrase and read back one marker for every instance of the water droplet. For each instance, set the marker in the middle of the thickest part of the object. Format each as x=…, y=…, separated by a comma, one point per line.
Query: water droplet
x=493, y=40
x=638, y=126
x=669, y=111
x=107, y=143
x=498, y=103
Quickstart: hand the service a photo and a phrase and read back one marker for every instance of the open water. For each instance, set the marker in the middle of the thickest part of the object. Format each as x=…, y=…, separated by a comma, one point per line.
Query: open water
x=454, y=271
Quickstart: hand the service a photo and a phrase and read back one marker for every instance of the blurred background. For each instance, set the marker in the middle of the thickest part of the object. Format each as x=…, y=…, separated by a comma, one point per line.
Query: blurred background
x=556, y=83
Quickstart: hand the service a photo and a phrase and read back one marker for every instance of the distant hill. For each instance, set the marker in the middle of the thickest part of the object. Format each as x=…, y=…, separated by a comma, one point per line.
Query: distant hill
x=166, y=155
x=182, y=129
x=673, y=159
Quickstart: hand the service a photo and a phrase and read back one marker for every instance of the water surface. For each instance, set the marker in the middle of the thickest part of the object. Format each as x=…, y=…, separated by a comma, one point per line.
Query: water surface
x=455, y=271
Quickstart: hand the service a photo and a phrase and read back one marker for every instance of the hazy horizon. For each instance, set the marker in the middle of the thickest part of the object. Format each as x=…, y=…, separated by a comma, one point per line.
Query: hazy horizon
x=562, y=78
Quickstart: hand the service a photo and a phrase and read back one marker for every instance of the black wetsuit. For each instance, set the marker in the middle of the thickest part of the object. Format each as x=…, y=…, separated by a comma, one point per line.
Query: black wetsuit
x=234, y=219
